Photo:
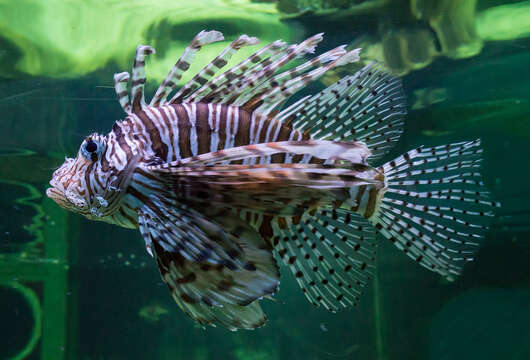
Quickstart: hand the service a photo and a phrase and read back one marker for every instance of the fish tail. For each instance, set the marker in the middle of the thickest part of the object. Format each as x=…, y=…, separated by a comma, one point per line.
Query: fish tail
x=435, y=207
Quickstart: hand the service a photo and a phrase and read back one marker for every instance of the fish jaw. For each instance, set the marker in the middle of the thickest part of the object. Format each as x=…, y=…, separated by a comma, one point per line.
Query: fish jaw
x=57, y=196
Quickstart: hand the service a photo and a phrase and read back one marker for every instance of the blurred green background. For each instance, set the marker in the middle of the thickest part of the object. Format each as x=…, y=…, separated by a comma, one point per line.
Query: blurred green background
x=74, y=289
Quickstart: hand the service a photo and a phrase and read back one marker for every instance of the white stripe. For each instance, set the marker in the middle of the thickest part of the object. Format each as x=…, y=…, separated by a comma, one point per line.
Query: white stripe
x=289, y=157
x=171, y=156
x=260, y=126
x=272, y=122
x=191, y=111
x=214, y=144
x=163, y=130
x=236, y=124
x=248, y=161
x=174, y=123
x=115, y=155
x=140, y=132
x=210, y=124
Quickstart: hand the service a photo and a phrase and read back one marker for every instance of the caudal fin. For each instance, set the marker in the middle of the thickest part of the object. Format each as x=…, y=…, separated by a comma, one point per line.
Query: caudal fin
x=435, y=208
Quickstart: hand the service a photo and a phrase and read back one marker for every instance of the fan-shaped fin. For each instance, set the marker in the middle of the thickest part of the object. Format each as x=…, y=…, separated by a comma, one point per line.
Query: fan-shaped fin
x=331, y=253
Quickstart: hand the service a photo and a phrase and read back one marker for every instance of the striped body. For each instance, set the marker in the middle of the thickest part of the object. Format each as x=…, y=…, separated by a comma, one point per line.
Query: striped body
x=222, y=180
x=178, y=131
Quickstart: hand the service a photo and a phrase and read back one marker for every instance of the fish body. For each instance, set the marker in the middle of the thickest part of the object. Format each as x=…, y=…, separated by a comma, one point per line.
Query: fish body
x=221, y=178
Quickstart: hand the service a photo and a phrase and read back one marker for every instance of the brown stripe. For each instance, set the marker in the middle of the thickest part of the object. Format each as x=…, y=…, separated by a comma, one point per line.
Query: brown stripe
x=105, y=166
x=96, y=178
x=120, y=138
x=263, y=133
x=200, y=80
x=203, y=129
x=184, y=126
x=87, y=180
x=243, y=131
x=283, y=135
x=222, y=127
x=219, y=63
x=183, y=65
x=372, y=199
x=298, y=158
x=169, y=124
x=187, y=279
x=188, y=299
x=137, y=82
x=265, y=229
x=159, y=147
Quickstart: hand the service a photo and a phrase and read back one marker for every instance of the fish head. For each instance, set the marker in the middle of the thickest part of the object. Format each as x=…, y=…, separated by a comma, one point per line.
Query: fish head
x=91, y=183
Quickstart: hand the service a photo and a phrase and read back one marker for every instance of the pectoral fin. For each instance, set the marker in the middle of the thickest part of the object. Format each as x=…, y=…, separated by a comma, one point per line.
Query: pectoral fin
x=215, y=270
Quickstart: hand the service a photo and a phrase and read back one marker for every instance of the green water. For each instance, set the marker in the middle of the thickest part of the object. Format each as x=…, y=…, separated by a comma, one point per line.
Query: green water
x=74, y=289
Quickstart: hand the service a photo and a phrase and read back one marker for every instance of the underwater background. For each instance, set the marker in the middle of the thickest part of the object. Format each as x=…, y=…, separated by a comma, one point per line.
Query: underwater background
x=75, y=289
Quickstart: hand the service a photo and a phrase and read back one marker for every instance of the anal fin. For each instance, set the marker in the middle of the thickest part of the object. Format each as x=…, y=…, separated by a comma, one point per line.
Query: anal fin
x=331, y=253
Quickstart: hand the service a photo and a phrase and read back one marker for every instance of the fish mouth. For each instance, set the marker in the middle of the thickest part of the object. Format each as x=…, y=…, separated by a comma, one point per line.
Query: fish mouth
x=58, y=196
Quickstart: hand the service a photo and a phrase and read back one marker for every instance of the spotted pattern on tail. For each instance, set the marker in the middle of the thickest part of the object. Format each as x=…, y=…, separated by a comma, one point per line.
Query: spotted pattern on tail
x=435, y=208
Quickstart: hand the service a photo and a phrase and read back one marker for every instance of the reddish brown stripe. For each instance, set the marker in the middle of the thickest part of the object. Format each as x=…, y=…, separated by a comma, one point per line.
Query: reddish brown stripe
x=87, y=180
x=263, y=133
x=96, y=178
x=372, y=199
x=243, y=131
x=203, y=129
x=105, y=166
x=283, y=135
x=169, y=124
x=116, y=128
x=184, y=126
x=159, y=147
x=222, y=128
x=298, y=158
x=265, y=229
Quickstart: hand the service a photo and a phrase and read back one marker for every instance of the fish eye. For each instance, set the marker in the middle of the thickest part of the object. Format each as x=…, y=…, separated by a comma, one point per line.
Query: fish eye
x=91, y=146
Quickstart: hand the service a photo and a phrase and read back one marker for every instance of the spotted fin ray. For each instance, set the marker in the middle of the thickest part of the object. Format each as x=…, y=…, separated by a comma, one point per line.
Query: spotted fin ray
x=331, y=254
x=436, y=208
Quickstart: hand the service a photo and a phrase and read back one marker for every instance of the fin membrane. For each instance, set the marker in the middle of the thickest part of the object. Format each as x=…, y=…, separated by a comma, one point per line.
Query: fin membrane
x=213, y=268
x=331, y=253
x=436, y=208
x=368, y=106
x=205, y=312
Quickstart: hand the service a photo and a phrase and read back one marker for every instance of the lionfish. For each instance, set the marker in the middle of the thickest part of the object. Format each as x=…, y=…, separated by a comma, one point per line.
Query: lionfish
x=222, y=180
